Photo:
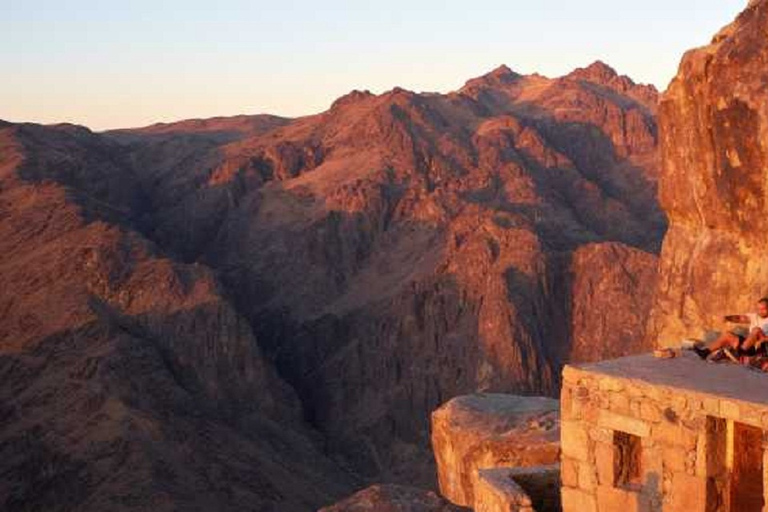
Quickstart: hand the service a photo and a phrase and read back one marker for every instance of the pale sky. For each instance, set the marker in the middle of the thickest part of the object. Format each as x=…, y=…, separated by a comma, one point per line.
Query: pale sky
x=119, y=64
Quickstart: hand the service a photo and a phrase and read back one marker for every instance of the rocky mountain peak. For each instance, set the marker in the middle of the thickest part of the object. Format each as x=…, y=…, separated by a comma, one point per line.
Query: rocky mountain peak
x=501, y=76
x=503, y=73
x=352, y=97
x=598, y=72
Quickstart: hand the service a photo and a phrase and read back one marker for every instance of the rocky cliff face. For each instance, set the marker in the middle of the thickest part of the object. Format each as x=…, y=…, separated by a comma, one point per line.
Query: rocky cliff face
x=714, y=119
x=623, y=289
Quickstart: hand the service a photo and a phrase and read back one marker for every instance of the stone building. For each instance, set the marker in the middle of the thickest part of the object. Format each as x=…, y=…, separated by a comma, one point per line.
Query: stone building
x=672, y=435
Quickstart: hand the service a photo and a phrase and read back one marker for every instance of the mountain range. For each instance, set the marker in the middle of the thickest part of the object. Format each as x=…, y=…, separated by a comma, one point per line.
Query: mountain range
x=260, y=312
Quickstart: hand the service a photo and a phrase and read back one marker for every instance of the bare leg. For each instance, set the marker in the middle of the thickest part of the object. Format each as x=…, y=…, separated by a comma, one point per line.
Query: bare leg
x=754, y=339
x=727, y=339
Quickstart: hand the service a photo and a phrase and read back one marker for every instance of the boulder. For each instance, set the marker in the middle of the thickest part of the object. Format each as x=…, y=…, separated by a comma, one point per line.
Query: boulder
x=485, y=431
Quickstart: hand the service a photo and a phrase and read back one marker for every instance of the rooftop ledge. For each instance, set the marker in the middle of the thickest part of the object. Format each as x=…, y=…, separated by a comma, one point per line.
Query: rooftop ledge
x=687, y=372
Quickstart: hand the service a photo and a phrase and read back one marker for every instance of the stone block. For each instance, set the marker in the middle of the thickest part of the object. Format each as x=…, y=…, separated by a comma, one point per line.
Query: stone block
x=729, y=410
x=586, y=411
x=711, y=406
x=701, y=454
x=609, y=384
x=575, y=500
x=587, y=477
x=571, y=376
x=649, y=411
x=574, y=440
x=604, y=454
x=674, y=434
x=624, y=423
x=569, y=472
x=751, y=415
x=619, y=403
x=611, y=499
x=674, y=459
x=668, y=469
x=679, y=402
x=765, y=475
x=687, y=493
x=567, y=410
x=601, y=435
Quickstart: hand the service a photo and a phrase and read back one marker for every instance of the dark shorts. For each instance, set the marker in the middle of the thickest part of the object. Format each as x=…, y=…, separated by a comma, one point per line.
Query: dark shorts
x=750, y=352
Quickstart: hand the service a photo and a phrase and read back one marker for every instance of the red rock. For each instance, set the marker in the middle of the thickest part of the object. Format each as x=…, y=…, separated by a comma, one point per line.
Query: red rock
x=405, y=248
x=388, y=254
x=610, y=280
x=713, y=182
x=129, y=380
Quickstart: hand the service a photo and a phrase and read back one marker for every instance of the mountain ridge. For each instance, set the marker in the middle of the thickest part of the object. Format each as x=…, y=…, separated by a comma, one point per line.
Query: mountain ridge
x=339, y=274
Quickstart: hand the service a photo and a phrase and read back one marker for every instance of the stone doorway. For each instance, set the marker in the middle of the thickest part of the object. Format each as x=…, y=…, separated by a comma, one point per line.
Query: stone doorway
x=734, y=467
x=747, y=472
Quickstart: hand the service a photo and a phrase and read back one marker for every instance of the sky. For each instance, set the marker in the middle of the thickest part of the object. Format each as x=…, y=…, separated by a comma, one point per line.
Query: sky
x=123, y=64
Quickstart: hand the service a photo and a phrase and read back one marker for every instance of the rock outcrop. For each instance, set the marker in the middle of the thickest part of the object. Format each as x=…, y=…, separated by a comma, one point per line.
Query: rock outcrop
x=393, y=498
x=714, y=140
x=488, y=431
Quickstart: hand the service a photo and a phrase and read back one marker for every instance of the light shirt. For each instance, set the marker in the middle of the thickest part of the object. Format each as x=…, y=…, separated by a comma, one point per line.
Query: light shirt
x=756, y=321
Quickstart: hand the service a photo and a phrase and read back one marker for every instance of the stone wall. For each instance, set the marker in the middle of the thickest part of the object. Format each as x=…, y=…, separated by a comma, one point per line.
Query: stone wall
x=523, y=489
x=679, y=460
x=541, y=484
x=496, y=491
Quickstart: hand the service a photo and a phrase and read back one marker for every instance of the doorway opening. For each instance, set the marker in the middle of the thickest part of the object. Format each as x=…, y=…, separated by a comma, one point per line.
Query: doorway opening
x=734, y=467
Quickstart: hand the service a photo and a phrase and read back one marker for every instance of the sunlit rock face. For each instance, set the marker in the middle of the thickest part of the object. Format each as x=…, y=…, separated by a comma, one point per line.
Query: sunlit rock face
x=714, y=138
x=619, y=281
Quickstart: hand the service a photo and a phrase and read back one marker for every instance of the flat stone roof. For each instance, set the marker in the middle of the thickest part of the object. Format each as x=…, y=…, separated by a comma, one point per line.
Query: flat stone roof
x=685, y=372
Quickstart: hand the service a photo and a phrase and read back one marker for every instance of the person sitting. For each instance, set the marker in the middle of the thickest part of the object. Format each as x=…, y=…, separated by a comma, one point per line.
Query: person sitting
x=742, y=345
